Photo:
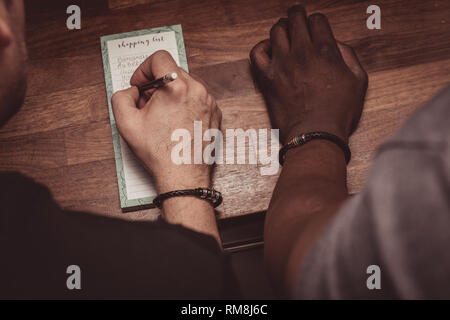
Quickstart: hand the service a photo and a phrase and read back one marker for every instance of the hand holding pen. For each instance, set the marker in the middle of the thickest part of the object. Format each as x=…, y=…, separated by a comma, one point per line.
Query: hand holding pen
x=157, y=83
x=148, y=125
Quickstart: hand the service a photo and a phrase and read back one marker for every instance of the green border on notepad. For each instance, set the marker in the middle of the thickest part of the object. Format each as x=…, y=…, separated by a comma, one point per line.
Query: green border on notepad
x=125, y=203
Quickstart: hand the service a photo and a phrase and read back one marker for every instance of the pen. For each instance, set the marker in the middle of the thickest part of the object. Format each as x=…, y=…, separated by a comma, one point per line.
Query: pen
x=158, y=83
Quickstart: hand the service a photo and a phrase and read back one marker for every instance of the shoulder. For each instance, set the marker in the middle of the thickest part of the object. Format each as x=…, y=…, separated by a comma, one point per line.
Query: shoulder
x=427, y=129
x=19, y=193
x=23, y=200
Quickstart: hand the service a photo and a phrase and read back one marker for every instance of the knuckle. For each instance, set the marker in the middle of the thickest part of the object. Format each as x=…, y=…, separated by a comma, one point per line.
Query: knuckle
x=210, y=100
x=199, y=89
x=180, y=88
x=161, y=54
x=254, y=52
x=275, y=29
x=364, y=77
x=325, y=49
x=296, y=11
x=315, y=17
x=115, y=99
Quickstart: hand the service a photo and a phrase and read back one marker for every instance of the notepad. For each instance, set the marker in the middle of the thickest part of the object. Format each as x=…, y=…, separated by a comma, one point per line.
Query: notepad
x=122, y=54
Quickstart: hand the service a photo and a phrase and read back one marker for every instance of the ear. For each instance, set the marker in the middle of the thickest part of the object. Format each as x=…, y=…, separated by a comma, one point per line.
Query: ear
x=5, y=34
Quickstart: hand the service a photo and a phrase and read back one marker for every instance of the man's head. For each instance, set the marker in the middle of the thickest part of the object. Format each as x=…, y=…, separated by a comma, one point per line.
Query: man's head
x=13, y=56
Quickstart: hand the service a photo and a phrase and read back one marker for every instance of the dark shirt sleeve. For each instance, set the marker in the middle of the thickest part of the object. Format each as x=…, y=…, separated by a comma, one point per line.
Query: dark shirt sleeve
x=118, y=259
x=400, y=222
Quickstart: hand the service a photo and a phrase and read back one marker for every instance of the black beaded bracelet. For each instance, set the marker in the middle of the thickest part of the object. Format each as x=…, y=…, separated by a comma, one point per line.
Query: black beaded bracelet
x=212, y=196
x=306, y=137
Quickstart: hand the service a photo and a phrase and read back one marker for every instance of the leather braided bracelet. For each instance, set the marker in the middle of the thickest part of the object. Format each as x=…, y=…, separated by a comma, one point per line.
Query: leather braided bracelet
x=306, y=137
x=212, y=196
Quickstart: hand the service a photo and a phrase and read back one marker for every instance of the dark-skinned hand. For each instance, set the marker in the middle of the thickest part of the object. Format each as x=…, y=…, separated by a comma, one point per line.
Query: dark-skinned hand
x=310, y=81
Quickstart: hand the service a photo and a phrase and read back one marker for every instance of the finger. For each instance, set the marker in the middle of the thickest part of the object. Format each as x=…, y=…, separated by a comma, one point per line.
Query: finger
x=298, y=28
x=124, y=106
x=216, y=117
x=322, y=35
x=210, y=101
x=352, y=61
x=143, y=99
x=157, y=65
x=279, y=38
x=260, y=56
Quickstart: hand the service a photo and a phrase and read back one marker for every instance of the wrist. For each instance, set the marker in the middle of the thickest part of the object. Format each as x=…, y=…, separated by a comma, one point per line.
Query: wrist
x=176, y=180
x=190, y=212
x=307, y=128
x=315, y=151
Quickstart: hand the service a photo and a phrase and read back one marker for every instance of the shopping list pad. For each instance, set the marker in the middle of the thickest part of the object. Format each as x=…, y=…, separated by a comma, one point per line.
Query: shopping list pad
x=122, y=54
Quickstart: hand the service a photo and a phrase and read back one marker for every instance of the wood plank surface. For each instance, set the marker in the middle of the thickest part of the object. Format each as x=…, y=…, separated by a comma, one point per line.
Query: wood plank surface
x=62, y=138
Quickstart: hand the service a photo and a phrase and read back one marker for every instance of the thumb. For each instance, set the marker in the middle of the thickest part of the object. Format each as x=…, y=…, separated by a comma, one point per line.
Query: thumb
x=124, y=106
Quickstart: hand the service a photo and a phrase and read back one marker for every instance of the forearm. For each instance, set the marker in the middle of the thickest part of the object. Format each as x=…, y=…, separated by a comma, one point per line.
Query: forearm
x=150, y=125
x=190, y=212
x=311, y=188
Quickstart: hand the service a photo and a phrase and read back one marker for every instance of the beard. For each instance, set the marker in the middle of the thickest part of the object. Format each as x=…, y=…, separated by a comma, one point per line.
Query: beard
x=14, y=87
x=13, y=100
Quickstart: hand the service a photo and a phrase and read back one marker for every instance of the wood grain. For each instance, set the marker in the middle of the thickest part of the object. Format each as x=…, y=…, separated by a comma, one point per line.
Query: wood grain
x=62, y=137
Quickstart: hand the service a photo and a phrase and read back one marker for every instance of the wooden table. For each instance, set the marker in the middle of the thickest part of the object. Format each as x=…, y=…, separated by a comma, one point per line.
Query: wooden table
x=62, y=137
